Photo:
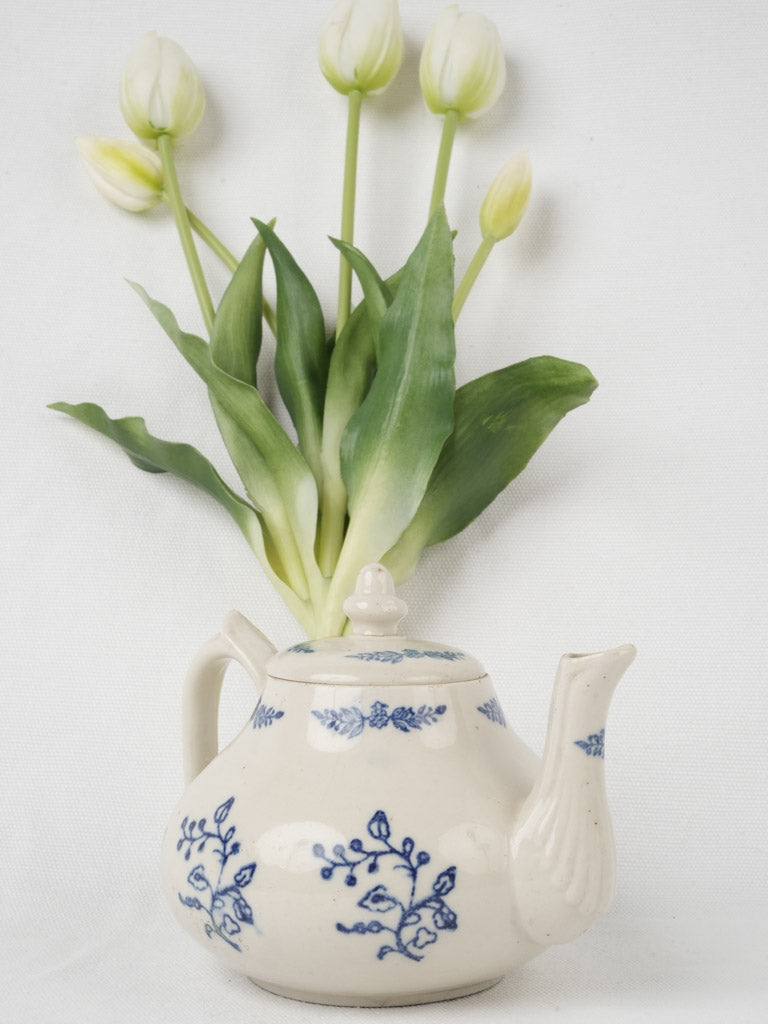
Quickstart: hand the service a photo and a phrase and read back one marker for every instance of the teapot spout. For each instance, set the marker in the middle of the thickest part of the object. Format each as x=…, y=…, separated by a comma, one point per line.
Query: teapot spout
x=563, y=859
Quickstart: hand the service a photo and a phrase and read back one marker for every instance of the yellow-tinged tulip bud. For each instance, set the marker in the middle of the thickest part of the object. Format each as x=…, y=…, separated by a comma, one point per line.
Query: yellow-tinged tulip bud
x=127, y=173
x=507, y=198
x=462, y=64
x=160, y=91
x=361, y=45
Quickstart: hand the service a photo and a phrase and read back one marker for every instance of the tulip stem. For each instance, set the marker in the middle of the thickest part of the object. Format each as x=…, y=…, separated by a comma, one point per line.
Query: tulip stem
x=348, y=205
x=450, y=124
x=471, y=274
x=230, y=261
x=176, y=203
x=215, y=244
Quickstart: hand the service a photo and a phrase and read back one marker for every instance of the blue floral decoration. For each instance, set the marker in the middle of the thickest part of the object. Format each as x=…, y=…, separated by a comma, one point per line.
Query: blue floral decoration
x=395, y=657
x=305, y=648
x=223, y=905
x=264, y=715
x=413, y=920
x=351, y=721
x=594, y=745
x=492, y=711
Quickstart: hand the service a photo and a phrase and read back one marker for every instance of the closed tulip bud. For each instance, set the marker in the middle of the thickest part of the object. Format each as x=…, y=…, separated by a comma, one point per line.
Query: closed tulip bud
x=507, y=198
x=160, y=91
x=462, y=64
x=361, y=45
x=127, y=173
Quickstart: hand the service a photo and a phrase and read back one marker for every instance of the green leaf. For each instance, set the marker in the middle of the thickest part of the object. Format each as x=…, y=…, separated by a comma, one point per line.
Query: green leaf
x=182, y=460
x=378, y=296
x=501, y=419
x=236, y=335
x=282, y=466
x=392, y=442
x=301, y=358
x=349, y=377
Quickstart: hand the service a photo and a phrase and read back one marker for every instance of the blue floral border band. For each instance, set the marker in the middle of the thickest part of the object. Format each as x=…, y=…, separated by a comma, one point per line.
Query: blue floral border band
x=351, y=721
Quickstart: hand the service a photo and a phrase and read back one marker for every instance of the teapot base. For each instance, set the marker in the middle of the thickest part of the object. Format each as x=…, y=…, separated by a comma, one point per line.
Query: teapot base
x=385, y=999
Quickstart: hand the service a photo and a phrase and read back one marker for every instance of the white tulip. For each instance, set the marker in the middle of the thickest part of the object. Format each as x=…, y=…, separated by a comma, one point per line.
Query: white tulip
x=127, y=173
x=462, y=64
x=160, y=91
x=507, y=199
x=361, y=45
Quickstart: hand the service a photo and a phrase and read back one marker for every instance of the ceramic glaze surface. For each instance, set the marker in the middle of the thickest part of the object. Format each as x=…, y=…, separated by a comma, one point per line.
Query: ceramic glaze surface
x=388, y=839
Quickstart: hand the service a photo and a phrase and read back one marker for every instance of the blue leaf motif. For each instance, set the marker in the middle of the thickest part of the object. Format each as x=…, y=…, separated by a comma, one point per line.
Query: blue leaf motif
x=378, y=826
x=230, y=926
x=197, y=878
x=445, y=919
x=223, y=810
x=445, y=882
x=424, y=937
x=244, y=875
x=242, y=910
x=378, y=899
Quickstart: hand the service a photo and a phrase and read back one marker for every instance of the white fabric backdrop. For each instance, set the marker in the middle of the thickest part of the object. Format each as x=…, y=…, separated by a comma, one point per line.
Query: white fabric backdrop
x=643, y=254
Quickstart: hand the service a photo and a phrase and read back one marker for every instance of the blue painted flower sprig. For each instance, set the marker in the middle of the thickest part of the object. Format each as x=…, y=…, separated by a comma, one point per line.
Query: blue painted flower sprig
x=224, y=905
x=594, y=745
x=412, y=920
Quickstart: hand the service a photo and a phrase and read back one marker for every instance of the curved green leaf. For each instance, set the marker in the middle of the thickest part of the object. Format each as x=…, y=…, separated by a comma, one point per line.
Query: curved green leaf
x=283, y=464
x=301, y=357
x=392, y=442
x=501, y=419
x=182, y=460
x=236, y=335
x=349, y=376
x=378, y=297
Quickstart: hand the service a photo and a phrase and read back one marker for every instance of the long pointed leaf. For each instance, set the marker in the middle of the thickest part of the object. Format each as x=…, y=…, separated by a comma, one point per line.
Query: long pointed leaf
x=235, y=346
x=349, y=376
x=378, y=296
x=392, y=443
x=301, y=358
x=290, y=473
x=501, y=419
x=236, y=335
x=186, y=462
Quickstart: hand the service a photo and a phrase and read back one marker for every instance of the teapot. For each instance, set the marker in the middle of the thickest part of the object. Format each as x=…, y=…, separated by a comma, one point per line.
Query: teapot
x=377, y=834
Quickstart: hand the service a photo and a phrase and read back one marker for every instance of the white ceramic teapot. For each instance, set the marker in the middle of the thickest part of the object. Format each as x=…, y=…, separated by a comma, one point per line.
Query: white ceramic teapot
x=376, y=835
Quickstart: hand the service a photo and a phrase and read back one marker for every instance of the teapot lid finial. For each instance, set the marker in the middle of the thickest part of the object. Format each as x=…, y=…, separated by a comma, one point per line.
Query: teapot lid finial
x=374, y=609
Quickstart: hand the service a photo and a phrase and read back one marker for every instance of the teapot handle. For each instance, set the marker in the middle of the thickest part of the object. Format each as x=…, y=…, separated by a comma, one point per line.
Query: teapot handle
x=238, y=641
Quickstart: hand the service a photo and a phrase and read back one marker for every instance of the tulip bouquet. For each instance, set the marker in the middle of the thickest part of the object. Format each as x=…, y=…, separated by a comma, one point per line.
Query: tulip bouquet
x=388, y=455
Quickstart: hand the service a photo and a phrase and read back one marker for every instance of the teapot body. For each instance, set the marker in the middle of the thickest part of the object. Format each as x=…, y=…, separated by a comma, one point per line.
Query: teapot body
x=352, y=844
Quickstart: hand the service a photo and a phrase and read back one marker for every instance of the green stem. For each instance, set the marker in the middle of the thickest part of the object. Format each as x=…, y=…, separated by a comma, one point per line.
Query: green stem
x=476, y=265
x=348, y=205
x=176, y=203
x=214, y=244
x=229, y=260
x=450, y=124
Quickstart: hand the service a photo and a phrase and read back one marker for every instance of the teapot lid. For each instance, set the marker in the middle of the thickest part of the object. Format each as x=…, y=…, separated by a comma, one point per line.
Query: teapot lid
x=373, y=652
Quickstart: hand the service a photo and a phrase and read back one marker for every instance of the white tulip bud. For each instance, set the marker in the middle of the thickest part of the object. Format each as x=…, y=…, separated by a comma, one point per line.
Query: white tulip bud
x=361, y=45
x=127, y=173
x=507, y=199
x=462, y=64
x=160, y=91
